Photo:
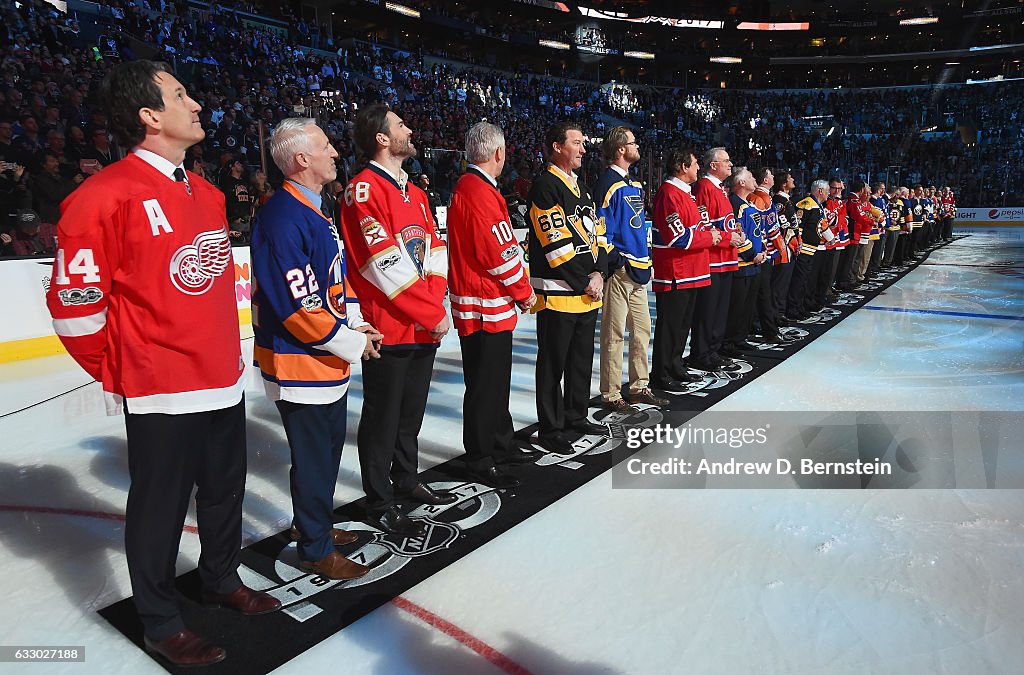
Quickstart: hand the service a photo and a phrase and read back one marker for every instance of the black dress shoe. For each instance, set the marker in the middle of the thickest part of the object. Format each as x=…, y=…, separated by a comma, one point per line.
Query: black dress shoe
x=425, y=495
x=772, y=339
x=668, y=385
x=729, y=351
x=744, y=345
x=394, y=521
x=556, y=445
x=493, y=477
x=186, y=649
x=243, y=599
x=524, y=454
x=685, y=376
x=589, y=428
x=704, y=365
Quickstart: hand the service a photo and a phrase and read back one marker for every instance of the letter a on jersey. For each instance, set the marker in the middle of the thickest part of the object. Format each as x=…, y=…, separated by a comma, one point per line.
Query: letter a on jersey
x=157, y=219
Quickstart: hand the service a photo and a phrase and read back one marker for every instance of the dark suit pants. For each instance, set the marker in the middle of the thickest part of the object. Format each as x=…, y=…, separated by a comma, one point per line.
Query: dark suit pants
x=675, y=315
x=395, y=390
x=565, y=355
x=487, y=424
x=168, y=455
x=710, y=315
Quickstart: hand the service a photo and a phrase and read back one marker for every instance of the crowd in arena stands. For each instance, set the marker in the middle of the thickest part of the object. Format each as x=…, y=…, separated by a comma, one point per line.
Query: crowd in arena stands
x=53, y=135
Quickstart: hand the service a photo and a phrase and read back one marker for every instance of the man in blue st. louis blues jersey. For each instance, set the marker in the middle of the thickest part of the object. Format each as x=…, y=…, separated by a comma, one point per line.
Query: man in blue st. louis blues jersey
x=620, y=203
x=306, y=337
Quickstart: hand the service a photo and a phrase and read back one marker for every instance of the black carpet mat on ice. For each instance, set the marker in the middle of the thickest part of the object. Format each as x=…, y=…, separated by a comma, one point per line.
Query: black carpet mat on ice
x=316, y=608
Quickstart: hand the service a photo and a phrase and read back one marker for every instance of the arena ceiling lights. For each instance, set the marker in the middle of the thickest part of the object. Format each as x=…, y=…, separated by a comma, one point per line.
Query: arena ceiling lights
x=402, y=9
x=662, y=20
x=554, y=44
x=639, y=55
x=772, y=25
x=726, y=59
x=557, y=6
x=920, y=21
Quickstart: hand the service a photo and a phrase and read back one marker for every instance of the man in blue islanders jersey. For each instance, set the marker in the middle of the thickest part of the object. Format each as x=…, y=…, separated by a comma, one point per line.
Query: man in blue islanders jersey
x=306, y=337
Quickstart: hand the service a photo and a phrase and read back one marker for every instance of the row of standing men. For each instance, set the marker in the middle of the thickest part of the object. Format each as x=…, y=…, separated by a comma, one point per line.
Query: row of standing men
x=142, y=297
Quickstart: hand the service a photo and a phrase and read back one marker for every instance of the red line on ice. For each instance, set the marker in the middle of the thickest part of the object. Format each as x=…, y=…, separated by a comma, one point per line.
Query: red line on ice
x=453, y=631
x=10, y=508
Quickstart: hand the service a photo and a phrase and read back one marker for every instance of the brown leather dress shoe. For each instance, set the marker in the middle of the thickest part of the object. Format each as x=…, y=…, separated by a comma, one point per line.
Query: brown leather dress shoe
x=647, y=396
x=186, y=649
x=244, y=600
x=334, y=566
x=339, y=537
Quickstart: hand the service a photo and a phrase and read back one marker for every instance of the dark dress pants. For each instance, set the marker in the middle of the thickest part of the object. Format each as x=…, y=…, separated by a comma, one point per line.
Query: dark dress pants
x=395, y=390
x=169, y=455
x=316, y=436
x=565, y=356
x=487, y=424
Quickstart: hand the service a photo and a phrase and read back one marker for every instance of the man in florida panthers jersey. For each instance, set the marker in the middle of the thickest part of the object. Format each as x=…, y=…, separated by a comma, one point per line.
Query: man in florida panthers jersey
x=306, y=337
x=620, y=204
x=142, y=297
x=398, y=268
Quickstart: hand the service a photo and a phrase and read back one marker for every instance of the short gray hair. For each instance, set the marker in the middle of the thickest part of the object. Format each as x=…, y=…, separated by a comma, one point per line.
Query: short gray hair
x=738, y=174
x=482, y=141
x=288, y=138
x=709, y=157
x=819, y=184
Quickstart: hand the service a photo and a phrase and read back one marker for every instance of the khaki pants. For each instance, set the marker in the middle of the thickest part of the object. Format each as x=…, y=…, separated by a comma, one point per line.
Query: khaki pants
x=863, y=258
x=625, y=303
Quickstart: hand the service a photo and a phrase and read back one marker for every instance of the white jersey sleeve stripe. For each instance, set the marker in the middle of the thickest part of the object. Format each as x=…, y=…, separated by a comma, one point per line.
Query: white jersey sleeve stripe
x=84, y=325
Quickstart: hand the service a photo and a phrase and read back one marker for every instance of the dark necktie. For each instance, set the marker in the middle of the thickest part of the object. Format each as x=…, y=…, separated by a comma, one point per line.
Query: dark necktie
x=179, y=176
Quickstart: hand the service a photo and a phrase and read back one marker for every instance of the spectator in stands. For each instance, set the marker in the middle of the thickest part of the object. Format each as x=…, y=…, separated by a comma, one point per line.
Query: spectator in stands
x=259, y=188
x=9, y=153
x=31, y=236
x=434, y=199
x=238, y=201
x=49, y=188
x=27, y=142
x=99, y=149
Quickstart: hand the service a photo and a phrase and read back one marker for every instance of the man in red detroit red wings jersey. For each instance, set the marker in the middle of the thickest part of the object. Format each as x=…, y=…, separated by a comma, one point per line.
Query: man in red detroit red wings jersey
x=142, y=296
x=487, y=283
x=398, y=268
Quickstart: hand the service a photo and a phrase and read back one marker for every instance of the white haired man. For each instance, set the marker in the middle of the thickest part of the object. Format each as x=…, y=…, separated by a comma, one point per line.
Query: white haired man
x=306, y=337
x=487, y=282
